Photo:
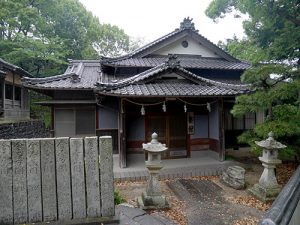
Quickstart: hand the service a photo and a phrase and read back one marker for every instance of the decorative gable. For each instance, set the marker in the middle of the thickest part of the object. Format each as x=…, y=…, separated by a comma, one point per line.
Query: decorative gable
x=186, y=46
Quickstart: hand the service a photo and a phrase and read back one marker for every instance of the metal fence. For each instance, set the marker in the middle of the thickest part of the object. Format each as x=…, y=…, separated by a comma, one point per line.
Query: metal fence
x=55, y=179
x=286, y=208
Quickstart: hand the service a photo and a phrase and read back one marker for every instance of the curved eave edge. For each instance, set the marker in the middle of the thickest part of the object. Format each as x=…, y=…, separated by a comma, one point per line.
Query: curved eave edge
x=33, y=87
x=165, y=96
x=161, y=68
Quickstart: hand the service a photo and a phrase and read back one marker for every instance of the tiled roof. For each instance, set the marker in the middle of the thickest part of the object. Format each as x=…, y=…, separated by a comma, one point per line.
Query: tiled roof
x=13, y=67
x=79, y=75
x=182, y=31
x=186, y=62
x=172, y=89
x=172, y=65
x=147, y=84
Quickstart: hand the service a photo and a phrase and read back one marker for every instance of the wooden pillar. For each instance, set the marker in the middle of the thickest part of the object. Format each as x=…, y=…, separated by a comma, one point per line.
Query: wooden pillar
x=13, y=91
x=122, y=136
x=221, y=130
x=3, y=95
x=52, y=121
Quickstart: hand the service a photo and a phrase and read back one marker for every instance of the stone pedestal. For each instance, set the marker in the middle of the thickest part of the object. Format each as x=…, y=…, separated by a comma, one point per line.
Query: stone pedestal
x=234, y=177
x=153, y=198
x=267, y=188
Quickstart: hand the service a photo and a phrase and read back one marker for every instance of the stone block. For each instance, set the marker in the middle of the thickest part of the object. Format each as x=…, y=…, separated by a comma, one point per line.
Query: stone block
x=48, y=179
x=34, y=185
x=107, y=176
x=263, y=193
x=6, y=200
x=64, y=201
x=77, y=178
x=234, y=177
x=19, y=180
x=92, y=176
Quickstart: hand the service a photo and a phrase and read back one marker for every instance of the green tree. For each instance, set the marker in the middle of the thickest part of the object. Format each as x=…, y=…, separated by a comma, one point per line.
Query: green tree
x=40, y=35
x=272, y=45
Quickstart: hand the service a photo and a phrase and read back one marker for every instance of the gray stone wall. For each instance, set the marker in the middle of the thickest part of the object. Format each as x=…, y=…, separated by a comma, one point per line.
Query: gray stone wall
x=24, y=129
x=51, y=179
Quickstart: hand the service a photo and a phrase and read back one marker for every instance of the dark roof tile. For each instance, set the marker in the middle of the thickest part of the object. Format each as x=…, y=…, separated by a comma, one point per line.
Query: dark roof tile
x=171, y=89
x=185, y=62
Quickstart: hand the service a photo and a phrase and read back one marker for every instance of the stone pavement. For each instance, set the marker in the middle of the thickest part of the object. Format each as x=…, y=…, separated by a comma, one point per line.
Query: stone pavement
x=206, y=203
x=124, y=216
x=204, y=164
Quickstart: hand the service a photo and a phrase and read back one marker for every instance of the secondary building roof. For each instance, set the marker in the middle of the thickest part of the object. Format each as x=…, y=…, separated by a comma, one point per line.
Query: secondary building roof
x=79, y=75
x=6, y=65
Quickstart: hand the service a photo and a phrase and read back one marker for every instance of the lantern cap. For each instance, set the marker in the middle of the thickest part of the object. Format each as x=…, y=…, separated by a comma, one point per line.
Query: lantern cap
x=270, y=143
x=154, y=145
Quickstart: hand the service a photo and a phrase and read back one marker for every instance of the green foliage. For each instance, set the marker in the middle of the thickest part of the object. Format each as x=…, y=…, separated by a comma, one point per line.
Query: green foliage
x=272, y=25
x=244, y=50
x=40, y=35
x=38, y=111
x=272, y=45
x=118, y=198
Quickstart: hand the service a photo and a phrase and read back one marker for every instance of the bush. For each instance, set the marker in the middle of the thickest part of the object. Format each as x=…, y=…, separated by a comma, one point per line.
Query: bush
x=118, y=198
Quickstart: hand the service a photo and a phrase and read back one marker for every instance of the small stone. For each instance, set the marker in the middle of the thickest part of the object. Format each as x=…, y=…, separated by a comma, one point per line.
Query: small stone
x=234, y=177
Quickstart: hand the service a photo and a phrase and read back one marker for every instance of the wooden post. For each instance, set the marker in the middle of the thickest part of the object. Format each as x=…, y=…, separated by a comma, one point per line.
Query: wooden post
x=221, y=130
x=3, y=94
x=122, y=137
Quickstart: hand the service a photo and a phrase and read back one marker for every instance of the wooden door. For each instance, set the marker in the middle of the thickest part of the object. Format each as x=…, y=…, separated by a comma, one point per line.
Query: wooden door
x=171, y=130
x=177, y=133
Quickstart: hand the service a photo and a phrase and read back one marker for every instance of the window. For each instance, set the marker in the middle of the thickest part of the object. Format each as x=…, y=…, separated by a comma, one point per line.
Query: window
x=64, y=123
x=18, y=91
x=75, y=122
x=249, y=120
x=184, y=44
x=85, y=121
x=9, y=91
x=238, y=123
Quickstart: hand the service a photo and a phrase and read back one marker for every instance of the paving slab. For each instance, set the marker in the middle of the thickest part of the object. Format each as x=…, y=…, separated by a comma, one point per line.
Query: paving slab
x=173, y=168
x=135, y=216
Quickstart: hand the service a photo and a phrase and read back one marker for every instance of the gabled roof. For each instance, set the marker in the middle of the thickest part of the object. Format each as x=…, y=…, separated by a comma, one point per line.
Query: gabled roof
x=12, y=67
x=187, y=28
x=144, y=84
x=79, y=75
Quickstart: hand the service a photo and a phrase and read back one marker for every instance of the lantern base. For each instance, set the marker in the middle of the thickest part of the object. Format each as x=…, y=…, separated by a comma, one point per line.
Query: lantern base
x=152, y=202
x=265, y=194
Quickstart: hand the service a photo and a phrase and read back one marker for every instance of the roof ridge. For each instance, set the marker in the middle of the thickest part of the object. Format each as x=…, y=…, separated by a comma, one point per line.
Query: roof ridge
x=187, y=26
x=136, y=51
x=129, y=79
x=217, y=83
x=37, y=80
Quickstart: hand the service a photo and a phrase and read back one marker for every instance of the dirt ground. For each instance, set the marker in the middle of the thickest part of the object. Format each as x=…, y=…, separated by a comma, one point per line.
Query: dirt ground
x=236, y=199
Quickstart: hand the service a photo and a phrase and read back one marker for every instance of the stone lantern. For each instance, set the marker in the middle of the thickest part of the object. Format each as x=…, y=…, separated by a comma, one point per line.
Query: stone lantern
x=153, y=198
x=267, y=188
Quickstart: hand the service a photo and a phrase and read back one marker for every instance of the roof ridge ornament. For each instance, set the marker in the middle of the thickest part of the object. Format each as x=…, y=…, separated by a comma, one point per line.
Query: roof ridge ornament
x=187, y=24
x=172, y=61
